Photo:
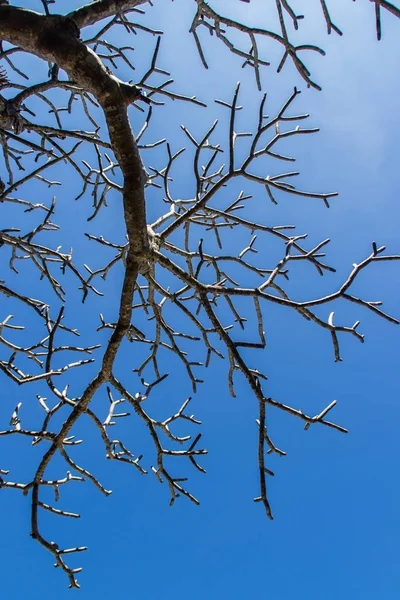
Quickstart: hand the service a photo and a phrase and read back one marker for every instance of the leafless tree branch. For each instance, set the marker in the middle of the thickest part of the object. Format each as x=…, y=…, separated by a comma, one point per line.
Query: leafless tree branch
x=185, y=296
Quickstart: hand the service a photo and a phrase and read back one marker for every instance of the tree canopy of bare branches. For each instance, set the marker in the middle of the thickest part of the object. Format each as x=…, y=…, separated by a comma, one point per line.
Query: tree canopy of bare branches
x=186, y=289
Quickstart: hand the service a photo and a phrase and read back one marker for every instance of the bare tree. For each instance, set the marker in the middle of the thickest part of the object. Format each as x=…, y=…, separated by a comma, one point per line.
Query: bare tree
x=183, y=296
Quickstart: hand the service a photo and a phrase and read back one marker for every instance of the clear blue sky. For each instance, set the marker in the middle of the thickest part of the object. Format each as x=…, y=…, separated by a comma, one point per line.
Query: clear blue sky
x=335, y=498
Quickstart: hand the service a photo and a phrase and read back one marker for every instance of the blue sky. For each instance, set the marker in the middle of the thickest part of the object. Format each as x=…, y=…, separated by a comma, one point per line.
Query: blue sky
x=335, y=498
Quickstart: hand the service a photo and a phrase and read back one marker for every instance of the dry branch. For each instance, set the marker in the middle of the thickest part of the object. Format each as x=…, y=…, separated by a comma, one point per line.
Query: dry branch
x=179, y=295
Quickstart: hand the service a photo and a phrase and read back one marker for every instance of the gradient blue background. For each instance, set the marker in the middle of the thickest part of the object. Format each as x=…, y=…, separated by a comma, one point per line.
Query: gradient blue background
x=335, y=498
